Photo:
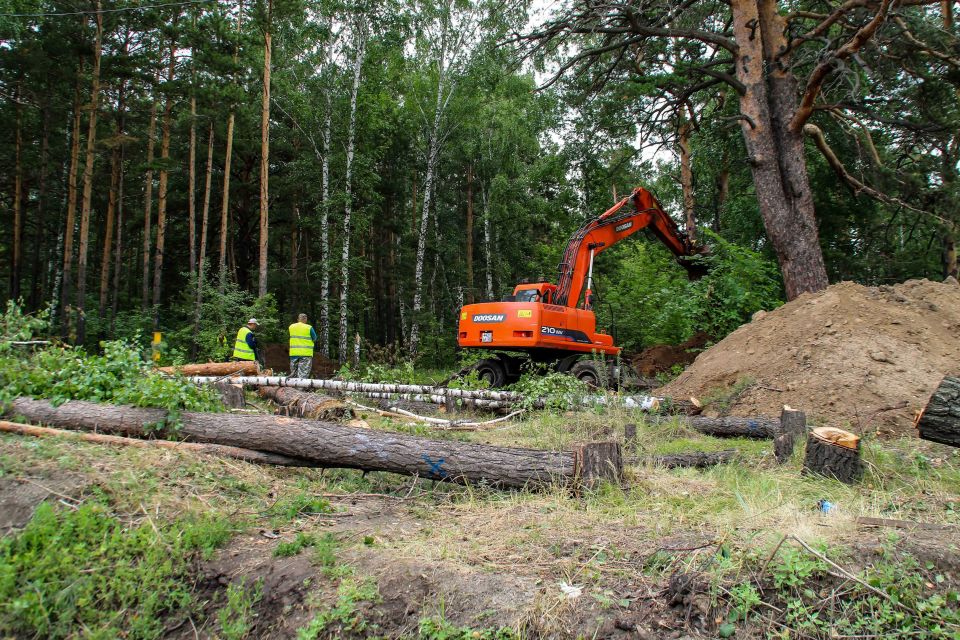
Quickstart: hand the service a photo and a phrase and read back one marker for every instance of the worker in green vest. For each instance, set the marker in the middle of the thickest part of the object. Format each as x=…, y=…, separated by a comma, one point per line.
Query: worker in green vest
x=302, y=338
x=246, y=347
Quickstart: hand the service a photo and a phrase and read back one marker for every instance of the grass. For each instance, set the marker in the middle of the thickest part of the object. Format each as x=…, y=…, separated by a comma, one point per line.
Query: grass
x=611, y=540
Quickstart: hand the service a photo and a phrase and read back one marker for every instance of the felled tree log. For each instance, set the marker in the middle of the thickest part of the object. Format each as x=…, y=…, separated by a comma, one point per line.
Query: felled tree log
x=697, y=459
x=301, y=404
x=734, y=426
x=247, y=455
x=940, y=420
x=833, y=453
x=244, y=368
x=324, y=444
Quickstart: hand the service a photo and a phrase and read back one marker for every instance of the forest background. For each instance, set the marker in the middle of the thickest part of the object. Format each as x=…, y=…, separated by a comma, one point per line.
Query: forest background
x=181, y=166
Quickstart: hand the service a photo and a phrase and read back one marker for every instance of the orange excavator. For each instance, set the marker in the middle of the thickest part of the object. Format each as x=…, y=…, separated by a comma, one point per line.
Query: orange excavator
x=554, y=324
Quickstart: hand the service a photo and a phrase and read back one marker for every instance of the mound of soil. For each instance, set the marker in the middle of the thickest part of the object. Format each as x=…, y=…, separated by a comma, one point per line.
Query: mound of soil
x=662, y=358
x=277, y=357
x=861, y=358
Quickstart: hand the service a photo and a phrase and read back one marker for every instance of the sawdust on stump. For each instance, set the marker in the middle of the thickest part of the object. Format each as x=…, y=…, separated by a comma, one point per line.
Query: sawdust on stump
x=855, y=357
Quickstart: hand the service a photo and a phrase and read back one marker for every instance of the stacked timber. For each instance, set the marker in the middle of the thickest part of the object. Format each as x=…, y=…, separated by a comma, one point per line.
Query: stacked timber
x=216, y=369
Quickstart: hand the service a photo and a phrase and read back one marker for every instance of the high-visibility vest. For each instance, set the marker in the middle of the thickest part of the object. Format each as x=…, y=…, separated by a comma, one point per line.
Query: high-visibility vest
x=241, y=350
x=301, y=342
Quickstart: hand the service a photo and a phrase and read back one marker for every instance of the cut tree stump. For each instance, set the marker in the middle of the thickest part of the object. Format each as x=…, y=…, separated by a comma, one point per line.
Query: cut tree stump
x=833, y=453
x=246, y=455
x=598, y=462
x=332, y=445
x=238, y=368
x=940, y=419
x=302, y=404
x=793, y=427
x=231, y=394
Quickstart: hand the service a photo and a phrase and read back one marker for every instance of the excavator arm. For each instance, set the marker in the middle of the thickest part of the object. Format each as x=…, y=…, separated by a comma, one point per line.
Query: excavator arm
x=601, y=233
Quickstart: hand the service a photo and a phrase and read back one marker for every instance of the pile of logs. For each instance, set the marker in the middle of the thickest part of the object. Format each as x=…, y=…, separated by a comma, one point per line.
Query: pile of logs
x=313, y=443
x=292, y=402
x=217, y=370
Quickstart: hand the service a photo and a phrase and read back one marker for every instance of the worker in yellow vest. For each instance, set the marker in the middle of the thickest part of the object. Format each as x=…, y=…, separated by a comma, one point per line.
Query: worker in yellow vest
x=246, y=347
x=302, y=339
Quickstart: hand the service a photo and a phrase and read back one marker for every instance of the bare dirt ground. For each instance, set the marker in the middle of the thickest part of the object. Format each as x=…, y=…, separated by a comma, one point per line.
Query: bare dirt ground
x=855, y=357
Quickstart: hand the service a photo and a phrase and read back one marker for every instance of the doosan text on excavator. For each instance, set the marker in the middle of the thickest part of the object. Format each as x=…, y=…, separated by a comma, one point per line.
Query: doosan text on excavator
x=554, y=324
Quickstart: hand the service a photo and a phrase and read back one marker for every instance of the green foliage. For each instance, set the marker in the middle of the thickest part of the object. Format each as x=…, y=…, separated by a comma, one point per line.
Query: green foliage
x=299, y=543
x=438, y=628
x=86, y=569
x=236, y=616
x=344, y=617
x=558, y=391
x=287, y=509
x=324, y=553
x=118, y=376
x=17, y=325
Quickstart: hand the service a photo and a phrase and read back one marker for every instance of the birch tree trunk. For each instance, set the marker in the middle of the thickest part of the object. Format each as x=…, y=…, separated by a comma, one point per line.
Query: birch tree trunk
x=162, y=186
x=325, y=232
x=88, y=181
x=17, y=201
x=433, y=152
x=69, y=227
x=342, y=351
x=148, y=206
x=470, y=291
x=265, y=157
x=487, y=244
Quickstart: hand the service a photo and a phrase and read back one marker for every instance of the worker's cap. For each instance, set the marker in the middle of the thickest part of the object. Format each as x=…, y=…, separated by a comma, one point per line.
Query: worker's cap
x=252, y=321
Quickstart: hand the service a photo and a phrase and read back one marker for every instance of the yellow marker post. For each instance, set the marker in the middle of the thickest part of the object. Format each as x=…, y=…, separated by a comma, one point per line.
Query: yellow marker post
x=155, y=345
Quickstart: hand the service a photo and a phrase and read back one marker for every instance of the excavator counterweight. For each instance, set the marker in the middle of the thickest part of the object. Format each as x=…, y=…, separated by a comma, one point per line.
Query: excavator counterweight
x=555, y=324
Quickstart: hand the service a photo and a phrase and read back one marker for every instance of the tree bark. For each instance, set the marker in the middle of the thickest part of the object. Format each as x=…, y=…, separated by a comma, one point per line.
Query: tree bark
x=731, y=426
x=38, y=291
x=686, y=177
x=305, y=405
x=244, y=368
x=488, y=245
x=696, y=460
x=343, y=341
x=265, y=158
x=112, y=199
x=162, y=186
x=69, y=230
x=86, y=204
x=17, y=201
x=325, y=230
x=204, y=226
x=148, y=207
x=833, y=459
x=192, y=185
x=228, y=156
x=775, y=151
x=330, y=445
x=940, y=419
x=247, y=455
x=118, y=251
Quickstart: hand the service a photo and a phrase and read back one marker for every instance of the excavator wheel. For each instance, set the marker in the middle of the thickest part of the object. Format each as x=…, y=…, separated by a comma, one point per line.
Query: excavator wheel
x=588, y=371
x=492, y=371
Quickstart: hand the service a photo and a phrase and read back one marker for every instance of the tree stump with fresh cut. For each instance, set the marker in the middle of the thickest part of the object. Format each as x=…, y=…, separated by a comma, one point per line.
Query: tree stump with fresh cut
x=793, y=426
x=940, y=419
x=833, y=453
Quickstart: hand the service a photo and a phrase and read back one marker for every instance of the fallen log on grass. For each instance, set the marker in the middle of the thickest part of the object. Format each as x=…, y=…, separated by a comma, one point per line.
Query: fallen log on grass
x=247, y=455
x=332, y=445
x=216, y=369
x=696, y=459
x=733, y=426
x=940, y=419
x=300, y=404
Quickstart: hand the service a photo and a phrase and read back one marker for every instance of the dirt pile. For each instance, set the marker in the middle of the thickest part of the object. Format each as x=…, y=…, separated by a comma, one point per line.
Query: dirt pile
x=662, y=357
x=862, y=358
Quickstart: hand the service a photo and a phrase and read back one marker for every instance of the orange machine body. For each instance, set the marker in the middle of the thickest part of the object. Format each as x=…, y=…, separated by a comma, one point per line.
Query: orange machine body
x=557, y=321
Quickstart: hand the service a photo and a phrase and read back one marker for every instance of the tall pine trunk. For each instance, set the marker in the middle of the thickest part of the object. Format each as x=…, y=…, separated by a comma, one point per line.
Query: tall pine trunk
x=148, y=206
x=118, y=250
x=204, y=225
x=112, y=198
x=162, y=187
x=348, y=206
x=71, y=222
x=85, y=209
x=37, y=292
x=192, y=185
x=775, y=148
x=265, y=158
x=17, y=201
x=228, y=158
